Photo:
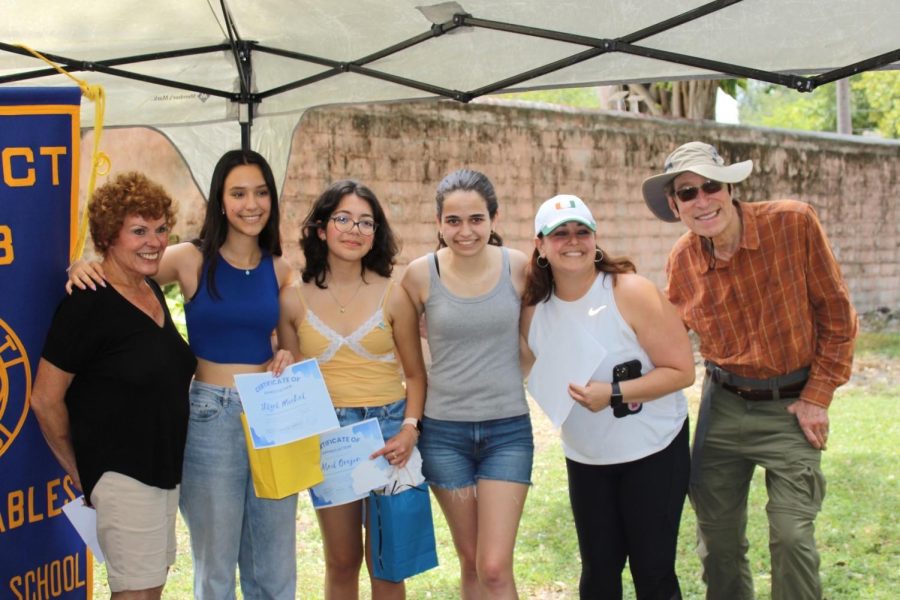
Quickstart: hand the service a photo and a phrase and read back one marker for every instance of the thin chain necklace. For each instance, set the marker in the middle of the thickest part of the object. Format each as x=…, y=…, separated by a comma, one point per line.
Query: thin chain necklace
x=344, y=306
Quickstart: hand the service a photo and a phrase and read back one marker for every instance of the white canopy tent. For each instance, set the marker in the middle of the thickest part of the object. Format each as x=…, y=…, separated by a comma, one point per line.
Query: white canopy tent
x=204, y=71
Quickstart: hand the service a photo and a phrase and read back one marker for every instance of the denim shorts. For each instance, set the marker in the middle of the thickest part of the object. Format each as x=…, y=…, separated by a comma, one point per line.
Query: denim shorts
x=390, y=416
x=456, y=454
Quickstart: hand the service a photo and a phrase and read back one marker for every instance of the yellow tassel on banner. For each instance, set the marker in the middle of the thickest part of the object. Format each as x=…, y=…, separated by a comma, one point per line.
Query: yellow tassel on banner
x=100, y=163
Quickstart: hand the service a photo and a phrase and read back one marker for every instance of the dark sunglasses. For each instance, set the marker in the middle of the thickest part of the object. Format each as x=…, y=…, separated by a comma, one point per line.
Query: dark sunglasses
x=687, y=194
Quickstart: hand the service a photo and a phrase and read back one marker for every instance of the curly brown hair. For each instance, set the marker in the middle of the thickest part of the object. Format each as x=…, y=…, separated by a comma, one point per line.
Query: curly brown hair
x=129, y=193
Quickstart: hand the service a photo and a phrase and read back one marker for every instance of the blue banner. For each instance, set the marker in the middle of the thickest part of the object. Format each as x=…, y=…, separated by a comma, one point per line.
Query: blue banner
x=41, y=555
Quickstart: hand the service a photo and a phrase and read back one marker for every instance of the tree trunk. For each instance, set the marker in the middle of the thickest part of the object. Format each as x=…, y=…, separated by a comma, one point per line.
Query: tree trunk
x=677, y=106
x=650, y=103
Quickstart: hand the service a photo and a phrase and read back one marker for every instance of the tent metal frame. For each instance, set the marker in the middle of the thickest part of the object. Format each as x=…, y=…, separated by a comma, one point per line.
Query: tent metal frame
x=242, y=51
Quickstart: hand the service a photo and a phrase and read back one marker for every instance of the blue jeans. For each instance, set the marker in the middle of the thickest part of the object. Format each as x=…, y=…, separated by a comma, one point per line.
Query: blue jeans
x=228, y=524
x=390, y=416
x=456, y=454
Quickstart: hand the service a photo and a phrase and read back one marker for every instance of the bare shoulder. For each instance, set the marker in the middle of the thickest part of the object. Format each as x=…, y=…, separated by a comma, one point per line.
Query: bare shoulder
x=416, y=274
x=640, y=301
x=632, y=286
x=182, y=263
x=289, y=301
x=398, y=301
x=283, y=271
x=185, y=252
x=636, y=295
x=518, y=260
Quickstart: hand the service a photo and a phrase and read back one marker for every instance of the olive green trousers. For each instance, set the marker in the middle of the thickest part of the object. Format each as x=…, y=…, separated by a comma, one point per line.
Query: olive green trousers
x=734, y=436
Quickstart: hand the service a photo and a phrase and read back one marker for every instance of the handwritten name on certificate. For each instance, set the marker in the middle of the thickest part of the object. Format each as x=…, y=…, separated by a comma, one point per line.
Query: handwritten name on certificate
x=349, y=473
x=284, y=409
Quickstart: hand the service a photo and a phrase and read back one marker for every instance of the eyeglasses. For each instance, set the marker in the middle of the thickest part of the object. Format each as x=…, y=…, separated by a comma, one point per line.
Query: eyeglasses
x=345, y=224
x=687, y=194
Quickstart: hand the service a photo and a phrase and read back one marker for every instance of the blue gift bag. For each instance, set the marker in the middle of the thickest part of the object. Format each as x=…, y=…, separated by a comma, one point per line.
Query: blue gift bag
x=401, y=533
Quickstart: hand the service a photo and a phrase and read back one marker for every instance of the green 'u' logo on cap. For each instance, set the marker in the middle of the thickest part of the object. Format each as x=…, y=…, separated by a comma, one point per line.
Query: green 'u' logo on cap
x=562, y=205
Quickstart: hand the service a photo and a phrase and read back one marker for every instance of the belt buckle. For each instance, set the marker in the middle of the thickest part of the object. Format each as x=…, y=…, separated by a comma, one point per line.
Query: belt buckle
x=745, y=392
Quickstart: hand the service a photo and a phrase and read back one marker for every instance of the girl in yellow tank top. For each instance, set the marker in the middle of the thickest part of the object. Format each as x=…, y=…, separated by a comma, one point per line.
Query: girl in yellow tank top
x=363, y=330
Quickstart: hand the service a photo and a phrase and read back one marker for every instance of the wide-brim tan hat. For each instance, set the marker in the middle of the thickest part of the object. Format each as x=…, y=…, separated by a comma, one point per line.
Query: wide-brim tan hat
x=696, y=157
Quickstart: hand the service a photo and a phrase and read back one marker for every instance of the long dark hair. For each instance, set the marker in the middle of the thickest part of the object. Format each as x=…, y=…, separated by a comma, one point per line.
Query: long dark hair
x=379, y=259
x=539, y=283
x=215, y=223
x=468, y=180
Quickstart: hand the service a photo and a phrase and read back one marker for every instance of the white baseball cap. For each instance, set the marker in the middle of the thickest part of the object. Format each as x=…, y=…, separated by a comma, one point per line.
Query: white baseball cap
x=696, y=157
x=562, y=209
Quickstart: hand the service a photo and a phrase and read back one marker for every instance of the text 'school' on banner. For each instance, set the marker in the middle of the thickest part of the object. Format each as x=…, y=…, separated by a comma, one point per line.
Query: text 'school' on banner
x=41, y=555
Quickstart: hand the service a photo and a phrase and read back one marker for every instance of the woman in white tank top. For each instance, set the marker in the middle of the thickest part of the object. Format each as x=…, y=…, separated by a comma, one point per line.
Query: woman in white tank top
x=625, y=357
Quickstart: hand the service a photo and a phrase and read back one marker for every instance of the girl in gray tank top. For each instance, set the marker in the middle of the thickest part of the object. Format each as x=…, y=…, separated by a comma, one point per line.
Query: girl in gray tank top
x=476, y=442
x=475, y=372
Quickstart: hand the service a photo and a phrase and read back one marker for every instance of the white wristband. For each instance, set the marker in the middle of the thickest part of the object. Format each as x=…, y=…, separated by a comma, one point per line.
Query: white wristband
x=411, y=421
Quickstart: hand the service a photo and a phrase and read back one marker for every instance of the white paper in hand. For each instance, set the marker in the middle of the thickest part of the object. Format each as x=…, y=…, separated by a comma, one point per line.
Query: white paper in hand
x=410, y=475
x=571, y=357
x=84, y=520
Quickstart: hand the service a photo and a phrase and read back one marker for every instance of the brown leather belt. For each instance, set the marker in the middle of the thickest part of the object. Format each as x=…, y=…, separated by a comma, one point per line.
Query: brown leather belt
x=788, y=391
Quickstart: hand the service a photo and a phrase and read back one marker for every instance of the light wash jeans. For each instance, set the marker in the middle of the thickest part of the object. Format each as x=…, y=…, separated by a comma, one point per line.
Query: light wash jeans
x=228, y=524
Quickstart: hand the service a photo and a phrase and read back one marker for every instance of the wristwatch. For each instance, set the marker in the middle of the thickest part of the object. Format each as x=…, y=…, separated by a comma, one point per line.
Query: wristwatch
x=616, y=398
x=414, y=422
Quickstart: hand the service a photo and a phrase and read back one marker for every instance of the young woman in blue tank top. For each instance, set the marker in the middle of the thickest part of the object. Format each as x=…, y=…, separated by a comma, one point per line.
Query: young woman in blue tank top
x=362, y=329
x=477, y=446
x=231, y=277
x=628, y=466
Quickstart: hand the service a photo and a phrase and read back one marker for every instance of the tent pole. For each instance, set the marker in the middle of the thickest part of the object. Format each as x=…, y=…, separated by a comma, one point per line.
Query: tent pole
x=245, y=136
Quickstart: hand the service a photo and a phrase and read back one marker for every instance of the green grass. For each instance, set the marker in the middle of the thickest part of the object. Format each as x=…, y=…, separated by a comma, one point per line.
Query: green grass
x=857, y=531
x=879, y=343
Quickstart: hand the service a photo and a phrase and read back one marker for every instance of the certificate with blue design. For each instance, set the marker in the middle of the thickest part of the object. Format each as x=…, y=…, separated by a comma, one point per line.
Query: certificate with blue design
x=349, y=472
x=288, y=408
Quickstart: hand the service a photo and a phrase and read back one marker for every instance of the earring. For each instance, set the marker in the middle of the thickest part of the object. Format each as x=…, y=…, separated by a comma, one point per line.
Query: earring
x=537, y=261
x=598, y=256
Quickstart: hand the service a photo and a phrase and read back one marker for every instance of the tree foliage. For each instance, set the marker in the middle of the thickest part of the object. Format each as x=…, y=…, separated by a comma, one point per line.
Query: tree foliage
x=678, y=99
x=875, y=105
x=875, y=102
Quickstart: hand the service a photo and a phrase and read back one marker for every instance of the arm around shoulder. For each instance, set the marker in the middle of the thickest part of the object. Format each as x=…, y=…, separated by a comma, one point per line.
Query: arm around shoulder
x=181, y=264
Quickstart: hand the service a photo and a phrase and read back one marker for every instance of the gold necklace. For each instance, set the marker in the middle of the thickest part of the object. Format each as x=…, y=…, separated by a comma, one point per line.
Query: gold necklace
x=344, y=306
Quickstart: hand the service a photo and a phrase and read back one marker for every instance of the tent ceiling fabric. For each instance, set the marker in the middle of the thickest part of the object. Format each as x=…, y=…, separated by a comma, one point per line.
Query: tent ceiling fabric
x=775, y=36
x=778, y=36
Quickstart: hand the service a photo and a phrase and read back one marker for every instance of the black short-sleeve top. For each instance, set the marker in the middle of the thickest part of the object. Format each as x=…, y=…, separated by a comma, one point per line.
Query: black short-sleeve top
x=128, y=402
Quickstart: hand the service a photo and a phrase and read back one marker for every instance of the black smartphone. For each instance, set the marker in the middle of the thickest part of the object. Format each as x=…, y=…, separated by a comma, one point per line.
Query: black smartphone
x=623, y=372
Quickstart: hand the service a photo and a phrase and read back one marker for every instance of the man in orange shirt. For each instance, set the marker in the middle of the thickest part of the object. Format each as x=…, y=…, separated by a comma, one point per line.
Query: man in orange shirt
x=759, y=285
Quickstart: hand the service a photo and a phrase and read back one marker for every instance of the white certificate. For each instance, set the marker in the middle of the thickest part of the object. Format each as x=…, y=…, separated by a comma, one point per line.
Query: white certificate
x=84, y=520
x=570, y=357
x=349, y=473
x=288, y=408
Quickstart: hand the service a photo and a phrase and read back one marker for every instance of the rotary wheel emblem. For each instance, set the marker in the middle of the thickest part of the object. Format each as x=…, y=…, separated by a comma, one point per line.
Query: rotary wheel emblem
x=15, y=386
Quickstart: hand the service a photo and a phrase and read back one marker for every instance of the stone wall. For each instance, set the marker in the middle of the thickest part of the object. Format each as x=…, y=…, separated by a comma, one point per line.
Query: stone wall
x=531, y=153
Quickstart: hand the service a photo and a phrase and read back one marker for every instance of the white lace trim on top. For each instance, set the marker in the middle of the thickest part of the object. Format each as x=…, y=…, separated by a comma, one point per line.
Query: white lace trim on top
x=352, y=341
